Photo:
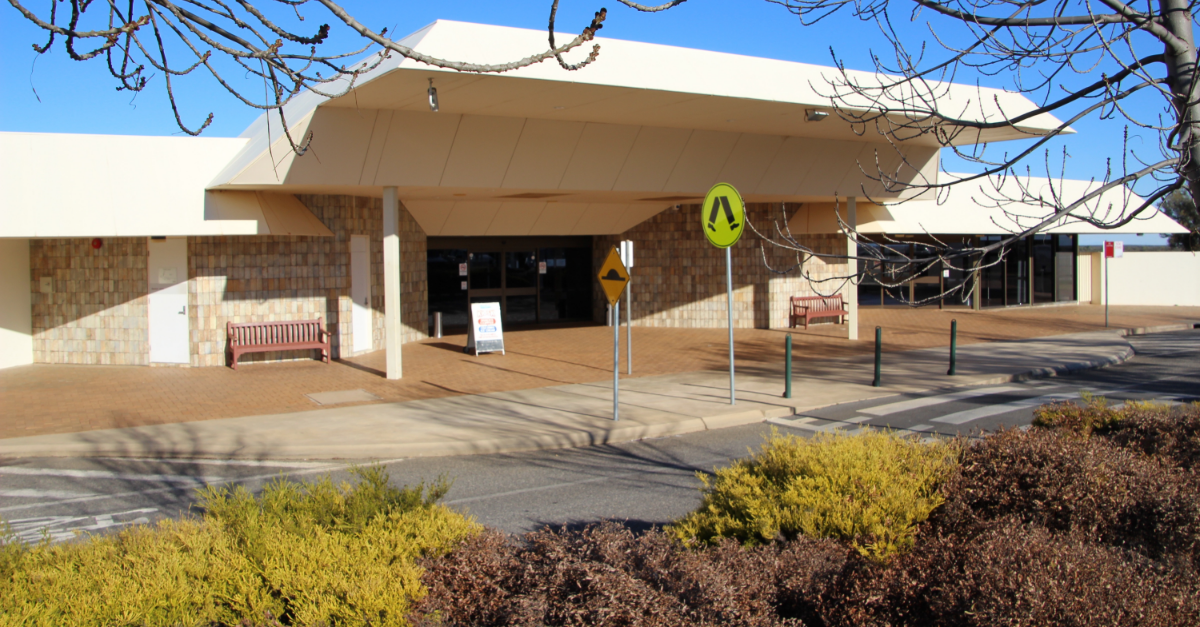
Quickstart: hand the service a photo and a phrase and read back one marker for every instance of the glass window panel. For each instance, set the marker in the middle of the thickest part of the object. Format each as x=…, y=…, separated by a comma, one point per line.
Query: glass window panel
x=520, y=310
x=446, y=292
x=520, y=269
x=1043, y=269
x=485, y=271
x=566, y=289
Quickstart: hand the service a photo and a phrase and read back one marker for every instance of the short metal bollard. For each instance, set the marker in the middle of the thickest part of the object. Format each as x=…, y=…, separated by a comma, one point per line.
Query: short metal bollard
x=787, y=367
x=437, y=324
x=878, y=353
x=953, y=347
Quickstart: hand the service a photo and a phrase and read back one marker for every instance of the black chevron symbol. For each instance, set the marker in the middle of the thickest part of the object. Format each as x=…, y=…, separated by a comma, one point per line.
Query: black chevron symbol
x=721, y=202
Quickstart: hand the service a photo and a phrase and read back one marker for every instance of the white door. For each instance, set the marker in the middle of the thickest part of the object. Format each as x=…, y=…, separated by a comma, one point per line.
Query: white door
x=360, y=291
x=169, y=301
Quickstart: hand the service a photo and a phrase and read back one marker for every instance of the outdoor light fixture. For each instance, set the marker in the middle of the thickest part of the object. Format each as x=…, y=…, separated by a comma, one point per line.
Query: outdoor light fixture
x=815, y=115
x=433, y=101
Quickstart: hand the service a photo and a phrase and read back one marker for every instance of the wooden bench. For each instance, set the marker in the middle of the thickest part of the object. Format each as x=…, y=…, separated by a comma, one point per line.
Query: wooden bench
x=809, y=307
x=261, y=337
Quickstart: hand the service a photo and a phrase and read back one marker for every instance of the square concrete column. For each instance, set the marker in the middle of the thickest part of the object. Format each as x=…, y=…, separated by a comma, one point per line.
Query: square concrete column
x=852, y=268
x=392, y=320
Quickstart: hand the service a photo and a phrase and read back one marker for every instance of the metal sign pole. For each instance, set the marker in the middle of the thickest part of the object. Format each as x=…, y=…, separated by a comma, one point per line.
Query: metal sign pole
x=1106, y=285
x=629, y=328
x=729, y=305
x=616, y=361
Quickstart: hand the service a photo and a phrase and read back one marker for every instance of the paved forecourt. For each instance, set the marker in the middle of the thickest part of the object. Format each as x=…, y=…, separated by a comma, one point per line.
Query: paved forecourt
x=641, y=483
x=580, y=414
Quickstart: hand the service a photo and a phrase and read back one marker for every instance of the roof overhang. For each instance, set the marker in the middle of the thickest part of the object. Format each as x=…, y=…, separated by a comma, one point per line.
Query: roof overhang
x=978, y=207
x=642, y=123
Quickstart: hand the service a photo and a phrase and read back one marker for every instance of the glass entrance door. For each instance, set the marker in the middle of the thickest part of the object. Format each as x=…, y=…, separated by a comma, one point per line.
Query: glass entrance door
x=533, y=279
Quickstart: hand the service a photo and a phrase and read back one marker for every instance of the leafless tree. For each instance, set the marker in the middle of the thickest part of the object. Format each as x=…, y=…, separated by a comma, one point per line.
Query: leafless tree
x=1076, y=59
x=178, y=39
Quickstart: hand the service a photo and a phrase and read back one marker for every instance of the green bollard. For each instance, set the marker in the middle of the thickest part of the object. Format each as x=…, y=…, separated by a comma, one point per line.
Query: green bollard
x=878, y=353
x=953, y=347
x=787, y=368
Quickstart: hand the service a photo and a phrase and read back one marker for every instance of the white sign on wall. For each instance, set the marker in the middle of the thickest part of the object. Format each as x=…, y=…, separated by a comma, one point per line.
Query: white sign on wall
x=486, y=333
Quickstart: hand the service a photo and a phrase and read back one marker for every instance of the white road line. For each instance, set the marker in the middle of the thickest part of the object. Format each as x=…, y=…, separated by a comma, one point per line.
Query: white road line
x=917, y=403
x=225, y=462
x=920, y=428
x=220, y=482
x=42, y=494
x=103, y=474
x=59, y=528
x=958, y=418
x=790, y=422
x=833, y=425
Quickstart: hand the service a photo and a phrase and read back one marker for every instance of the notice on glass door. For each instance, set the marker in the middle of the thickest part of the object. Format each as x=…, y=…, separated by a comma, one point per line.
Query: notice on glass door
x=486, y=333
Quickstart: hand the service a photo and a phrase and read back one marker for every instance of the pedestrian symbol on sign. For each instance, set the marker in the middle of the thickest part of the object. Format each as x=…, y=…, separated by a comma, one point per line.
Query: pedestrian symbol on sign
x=723, y=215
x=718, y=203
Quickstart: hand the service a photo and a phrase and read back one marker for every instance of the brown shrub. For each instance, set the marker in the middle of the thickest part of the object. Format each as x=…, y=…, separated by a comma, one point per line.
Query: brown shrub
x=1094, y=415
x=606, y=575
x=1014, y=574
x=1172, y=435
x=1088, y=487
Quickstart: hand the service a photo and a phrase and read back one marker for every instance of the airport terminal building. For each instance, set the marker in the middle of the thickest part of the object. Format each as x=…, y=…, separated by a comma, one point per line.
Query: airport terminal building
x=139, y=250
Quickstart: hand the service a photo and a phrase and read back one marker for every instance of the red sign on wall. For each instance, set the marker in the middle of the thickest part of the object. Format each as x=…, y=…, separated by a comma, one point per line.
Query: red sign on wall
x=1114, y=249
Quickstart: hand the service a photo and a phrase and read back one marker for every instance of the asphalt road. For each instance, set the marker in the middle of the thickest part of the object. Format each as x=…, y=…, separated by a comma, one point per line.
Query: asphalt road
x=643, y=483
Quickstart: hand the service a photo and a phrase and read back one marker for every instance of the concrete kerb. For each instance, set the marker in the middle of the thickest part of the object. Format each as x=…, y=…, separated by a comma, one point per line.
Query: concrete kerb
x=563, y=435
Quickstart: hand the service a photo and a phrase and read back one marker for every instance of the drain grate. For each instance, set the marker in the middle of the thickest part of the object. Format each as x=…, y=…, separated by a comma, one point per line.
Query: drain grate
x=341, y=396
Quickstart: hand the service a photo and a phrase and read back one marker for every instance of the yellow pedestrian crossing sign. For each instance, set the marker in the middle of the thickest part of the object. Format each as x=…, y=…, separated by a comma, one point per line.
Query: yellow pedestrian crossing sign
x=723, y=215
x=613, y=276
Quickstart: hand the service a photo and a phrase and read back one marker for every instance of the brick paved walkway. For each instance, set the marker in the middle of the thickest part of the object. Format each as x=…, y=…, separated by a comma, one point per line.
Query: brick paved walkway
x=43, y=399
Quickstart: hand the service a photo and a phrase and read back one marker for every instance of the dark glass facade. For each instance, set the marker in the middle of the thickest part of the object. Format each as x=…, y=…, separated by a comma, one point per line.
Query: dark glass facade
x=1033, y=270
x=535, y=280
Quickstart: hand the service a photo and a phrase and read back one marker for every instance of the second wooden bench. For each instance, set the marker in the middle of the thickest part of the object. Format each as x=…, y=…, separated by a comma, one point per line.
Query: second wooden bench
x=809, y=307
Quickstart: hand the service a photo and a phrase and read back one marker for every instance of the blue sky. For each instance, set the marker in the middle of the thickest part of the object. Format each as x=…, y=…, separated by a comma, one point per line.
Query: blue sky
x=51, y=93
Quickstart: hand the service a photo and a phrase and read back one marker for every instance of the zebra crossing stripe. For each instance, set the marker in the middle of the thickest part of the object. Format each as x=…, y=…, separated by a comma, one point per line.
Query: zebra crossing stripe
x=958, y=418
x=927, y=401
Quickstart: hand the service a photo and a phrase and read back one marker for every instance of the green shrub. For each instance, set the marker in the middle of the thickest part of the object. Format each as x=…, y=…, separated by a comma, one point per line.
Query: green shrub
x=870, y=490
x=311, y=554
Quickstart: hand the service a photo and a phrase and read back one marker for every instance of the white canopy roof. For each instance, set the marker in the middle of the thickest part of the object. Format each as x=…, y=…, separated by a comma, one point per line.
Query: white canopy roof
x=981, y=208
x=643, y=121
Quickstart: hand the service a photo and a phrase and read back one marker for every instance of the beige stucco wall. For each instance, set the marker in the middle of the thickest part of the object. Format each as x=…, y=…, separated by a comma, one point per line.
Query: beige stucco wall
x=678, y=278
x=16, y=324
x=1148, y=278
x=1083, y=278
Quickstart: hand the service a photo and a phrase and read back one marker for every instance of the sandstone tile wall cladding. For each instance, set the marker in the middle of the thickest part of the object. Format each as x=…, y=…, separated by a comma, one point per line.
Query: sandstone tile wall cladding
x=267, y=278
x=678, y=279
x=95, y=312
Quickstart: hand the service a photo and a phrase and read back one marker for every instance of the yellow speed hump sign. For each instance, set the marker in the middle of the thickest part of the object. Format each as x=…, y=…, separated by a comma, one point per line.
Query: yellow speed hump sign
x=723, y=215
x=613, y=276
